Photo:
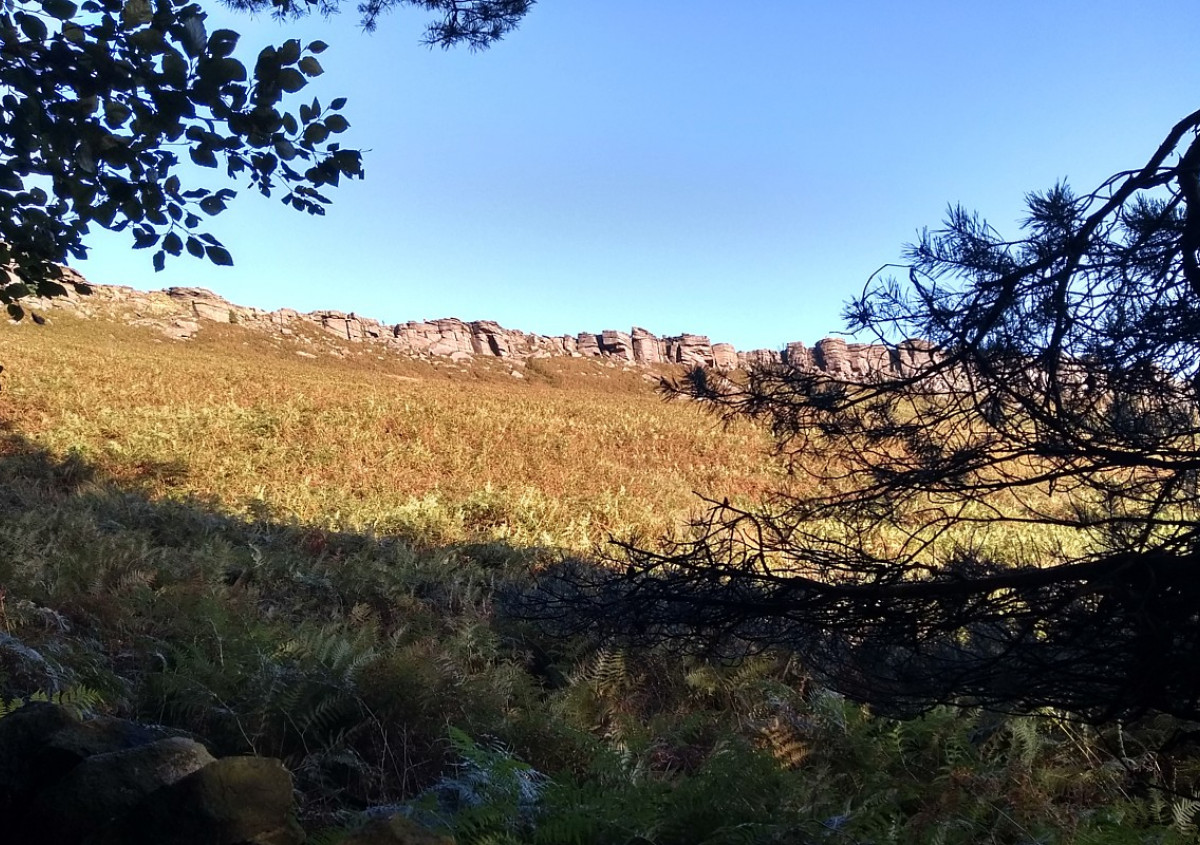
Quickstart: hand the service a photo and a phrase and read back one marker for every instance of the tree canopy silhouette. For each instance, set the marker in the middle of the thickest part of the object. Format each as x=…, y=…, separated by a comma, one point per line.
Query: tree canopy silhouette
x=1006, y=516
x=102, y=99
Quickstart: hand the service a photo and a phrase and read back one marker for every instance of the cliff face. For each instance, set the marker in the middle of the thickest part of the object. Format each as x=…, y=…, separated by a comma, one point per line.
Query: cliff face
x=180, y=312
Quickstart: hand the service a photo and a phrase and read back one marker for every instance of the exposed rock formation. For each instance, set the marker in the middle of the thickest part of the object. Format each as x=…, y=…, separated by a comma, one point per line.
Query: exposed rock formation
x=647, y=348
x=180, y=312
x=691, y=350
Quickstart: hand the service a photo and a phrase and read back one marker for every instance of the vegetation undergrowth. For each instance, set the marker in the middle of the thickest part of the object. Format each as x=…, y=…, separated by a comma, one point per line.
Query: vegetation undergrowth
x=301, y=558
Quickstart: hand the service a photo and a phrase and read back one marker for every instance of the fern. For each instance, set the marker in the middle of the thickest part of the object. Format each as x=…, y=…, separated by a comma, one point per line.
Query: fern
x=609, y=672
x=785, y=742
x=492, y=796
x=1183, y=815
x=83, y=701
x=1026, y=741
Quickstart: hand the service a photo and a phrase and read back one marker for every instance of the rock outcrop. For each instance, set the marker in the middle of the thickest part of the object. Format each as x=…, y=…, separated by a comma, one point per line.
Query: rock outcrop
x=181, y=312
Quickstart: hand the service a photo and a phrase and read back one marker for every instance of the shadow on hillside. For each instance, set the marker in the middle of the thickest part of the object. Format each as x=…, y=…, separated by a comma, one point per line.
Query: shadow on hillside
x=80, y=549
x=344, y=654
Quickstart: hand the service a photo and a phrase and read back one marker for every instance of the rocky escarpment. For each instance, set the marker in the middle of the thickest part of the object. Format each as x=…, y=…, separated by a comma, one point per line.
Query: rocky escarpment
x=181, y=312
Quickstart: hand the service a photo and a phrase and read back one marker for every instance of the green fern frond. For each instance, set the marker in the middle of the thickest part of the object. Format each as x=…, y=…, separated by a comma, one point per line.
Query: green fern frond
x=1026, y=741
x=83, y=701
x=1183, y=815
x=321, y=713
x=609, y=672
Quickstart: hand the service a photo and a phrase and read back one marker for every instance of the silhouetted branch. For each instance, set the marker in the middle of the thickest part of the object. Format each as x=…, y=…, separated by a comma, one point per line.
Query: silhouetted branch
x=1007, y=516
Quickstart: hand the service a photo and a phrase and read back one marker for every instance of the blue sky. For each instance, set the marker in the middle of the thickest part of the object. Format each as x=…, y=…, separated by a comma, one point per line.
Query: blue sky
x=736, y=169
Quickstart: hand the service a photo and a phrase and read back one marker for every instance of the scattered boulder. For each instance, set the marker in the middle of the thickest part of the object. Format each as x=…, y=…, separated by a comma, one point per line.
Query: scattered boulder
x=104, y=735
x=233, y=801
x=181, y=329
x=105, y=787
x=104, y=781
x=25, y=765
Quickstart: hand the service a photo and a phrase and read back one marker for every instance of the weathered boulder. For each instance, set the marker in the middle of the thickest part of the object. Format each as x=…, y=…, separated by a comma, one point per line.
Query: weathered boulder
x=233, y=801
x=616, y=345
x=105, y=787
x=105, y=734
x=203, y=303
x=181, y=329
x=691, y=350
x=912, y=355
x=588, y=345
x=414, y=337
x=451, y=336
x=103, y=781
x=490, y=338
x=25, y=767
x=852, y=361
x=24, y=666
x=647, y=349
x=212, y=311
x=342, y=326
x=831, y=358
x=868, y=361
x=374, y=329
x=447, y=347
x=724, y=356
x=283, y=317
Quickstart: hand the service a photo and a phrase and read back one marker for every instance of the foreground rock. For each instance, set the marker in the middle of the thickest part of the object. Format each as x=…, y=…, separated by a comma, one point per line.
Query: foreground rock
x=232, y=801
x=65, y=781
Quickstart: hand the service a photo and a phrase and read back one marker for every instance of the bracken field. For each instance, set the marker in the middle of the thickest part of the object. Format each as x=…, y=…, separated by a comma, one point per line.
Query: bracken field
x=302, y=557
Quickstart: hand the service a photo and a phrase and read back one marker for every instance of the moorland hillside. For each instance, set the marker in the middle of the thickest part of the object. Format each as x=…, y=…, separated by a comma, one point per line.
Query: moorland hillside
x=304, y=556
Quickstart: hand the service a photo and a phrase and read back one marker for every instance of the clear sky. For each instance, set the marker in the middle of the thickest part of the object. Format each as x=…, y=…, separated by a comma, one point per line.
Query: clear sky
x=735, y=168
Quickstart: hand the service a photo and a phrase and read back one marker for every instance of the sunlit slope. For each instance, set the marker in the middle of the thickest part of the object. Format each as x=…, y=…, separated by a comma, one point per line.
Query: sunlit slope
x=567, y=453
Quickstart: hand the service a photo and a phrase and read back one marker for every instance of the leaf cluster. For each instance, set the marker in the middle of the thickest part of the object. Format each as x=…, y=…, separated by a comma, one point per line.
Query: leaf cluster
x=101, y=103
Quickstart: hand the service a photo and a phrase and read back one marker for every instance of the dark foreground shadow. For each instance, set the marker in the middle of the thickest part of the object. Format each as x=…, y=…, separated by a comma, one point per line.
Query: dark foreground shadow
x=346, y=655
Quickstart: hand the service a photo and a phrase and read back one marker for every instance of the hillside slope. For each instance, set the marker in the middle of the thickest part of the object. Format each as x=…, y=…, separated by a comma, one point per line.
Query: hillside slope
x=570, y=450
x=298, y=547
